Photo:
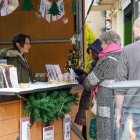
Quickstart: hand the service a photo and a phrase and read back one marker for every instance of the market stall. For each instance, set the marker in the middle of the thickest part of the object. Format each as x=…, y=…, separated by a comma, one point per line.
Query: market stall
x=11, y=113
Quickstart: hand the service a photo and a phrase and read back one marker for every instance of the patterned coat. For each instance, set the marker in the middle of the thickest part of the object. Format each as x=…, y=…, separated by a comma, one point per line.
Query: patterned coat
x=105, y=69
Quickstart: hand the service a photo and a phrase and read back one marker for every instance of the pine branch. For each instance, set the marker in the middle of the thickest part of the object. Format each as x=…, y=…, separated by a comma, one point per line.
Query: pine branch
x=49, y=106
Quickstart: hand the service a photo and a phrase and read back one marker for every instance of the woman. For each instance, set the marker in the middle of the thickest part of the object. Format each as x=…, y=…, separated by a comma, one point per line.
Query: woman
x=93, y=51
x=103, y=73
x=16, y=56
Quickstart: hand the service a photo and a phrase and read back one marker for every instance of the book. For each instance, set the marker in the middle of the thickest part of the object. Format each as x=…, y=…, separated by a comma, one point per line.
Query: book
x=14, y=77
x=10, y=78
x=50, y=74
x=54, y=72
x=58, y=72
x=7, y=79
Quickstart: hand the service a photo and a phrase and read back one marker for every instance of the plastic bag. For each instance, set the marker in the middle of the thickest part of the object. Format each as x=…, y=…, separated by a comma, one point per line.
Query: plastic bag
x=94, y=107
x=92, y=128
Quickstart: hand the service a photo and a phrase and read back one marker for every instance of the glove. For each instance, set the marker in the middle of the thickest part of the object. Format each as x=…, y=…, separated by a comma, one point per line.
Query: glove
x=79, y=72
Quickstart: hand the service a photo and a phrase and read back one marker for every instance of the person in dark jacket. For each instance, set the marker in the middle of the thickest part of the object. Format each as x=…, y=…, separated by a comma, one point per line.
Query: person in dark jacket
x=93, y=50
x=16, y=56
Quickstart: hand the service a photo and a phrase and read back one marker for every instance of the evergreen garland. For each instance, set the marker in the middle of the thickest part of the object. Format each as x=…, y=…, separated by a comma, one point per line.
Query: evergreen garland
x=49, y=106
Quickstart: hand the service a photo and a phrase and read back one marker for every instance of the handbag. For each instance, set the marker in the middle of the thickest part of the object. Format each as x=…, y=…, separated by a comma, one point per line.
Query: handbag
x=94, y=107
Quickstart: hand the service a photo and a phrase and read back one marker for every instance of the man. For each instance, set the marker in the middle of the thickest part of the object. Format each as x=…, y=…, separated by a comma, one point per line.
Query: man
x=128, y=101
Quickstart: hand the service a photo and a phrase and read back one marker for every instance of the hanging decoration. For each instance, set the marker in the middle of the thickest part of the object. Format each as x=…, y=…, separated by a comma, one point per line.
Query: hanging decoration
x=28, y=5
x=43, y=7
x=8, y=6
x=38, y=14
x=1, y=4
x=65, y=20
x=74, y=6
x=73, y=39
x=52, y=11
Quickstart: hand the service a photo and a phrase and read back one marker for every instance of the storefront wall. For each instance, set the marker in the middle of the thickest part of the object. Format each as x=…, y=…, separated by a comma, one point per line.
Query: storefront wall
x=51, y=39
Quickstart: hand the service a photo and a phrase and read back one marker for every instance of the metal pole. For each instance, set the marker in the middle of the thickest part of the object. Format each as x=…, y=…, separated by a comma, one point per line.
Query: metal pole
x=39, y=41
x=112, y=115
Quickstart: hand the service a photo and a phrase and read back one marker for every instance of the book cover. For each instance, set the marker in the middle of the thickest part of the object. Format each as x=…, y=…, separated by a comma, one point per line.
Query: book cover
x=1, y=81
x=25, y=129
x=48, y=133
x=6, y=75
x=67, y=127
x=13, y=77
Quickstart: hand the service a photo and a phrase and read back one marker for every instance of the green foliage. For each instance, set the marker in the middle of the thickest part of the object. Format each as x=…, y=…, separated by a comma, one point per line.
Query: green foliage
x=49, y=106
x=54, y=9
x=128, y=34
x=90, y=37
x=74, y=57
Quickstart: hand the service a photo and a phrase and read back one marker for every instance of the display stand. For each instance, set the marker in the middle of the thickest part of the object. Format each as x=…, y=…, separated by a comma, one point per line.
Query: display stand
x=11, y=111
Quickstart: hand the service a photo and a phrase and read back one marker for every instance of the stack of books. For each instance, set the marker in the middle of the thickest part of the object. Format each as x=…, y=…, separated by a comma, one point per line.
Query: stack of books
x=8, y=76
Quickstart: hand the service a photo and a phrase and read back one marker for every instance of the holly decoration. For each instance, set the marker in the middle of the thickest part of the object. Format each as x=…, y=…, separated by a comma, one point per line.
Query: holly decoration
x=54, y=11
x=74, y=57
x=49, y=106
x=27, y=5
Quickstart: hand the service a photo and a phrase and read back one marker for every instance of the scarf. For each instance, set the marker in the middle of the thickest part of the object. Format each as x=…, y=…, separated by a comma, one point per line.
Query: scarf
x=111, y=48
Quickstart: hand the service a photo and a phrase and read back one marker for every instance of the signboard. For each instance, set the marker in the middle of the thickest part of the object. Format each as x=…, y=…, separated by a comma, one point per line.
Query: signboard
x=25, y=129
x=48, y=133
x=67, y=127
